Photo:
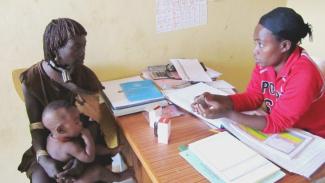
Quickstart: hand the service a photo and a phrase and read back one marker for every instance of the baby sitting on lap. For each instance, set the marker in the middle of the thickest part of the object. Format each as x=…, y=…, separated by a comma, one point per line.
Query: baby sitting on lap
x=69, y=139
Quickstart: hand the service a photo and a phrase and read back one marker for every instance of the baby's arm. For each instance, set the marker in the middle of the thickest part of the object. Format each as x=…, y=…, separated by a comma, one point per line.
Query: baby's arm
x=86, y=154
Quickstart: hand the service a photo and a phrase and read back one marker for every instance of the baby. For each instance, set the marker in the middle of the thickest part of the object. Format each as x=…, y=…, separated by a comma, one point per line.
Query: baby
x=69, y=139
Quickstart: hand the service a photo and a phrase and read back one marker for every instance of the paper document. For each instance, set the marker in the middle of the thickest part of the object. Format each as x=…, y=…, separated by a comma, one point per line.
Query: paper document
x=185, y=97
x=222, y=85
x=231, y=160
x=200, y=167
x=190, y=70
x=212, y=73
x=213, y=178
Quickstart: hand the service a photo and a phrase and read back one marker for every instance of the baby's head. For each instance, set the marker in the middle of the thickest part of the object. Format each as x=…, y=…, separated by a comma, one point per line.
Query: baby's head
x=62, y=119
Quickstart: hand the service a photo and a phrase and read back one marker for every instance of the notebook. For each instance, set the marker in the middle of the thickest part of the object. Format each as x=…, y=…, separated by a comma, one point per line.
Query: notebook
x=231, y=160
x=144, y=90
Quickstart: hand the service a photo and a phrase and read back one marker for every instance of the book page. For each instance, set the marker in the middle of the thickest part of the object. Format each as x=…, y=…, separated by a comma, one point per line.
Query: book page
x=288, y=143
x=309, y=158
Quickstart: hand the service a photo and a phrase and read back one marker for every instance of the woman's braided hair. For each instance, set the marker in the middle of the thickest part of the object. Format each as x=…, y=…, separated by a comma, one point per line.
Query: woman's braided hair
x=57, y=33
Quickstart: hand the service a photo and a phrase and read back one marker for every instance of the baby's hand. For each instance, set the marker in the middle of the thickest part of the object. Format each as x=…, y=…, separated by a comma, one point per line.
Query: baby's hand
x=88, y=153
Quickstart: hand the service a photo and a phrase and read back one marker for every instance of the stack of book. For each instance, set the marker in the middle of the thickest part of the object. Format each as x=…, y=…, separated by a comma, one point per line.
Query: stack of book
x=229, y=160
x=133, y=94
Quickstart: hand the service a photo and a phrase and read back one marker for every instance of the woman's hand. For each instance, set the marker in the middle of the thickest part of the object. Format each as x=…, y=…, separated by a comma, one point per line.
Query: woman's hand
x=73, y=169
x=49, y=165
x=212, y=106
x=89, y=105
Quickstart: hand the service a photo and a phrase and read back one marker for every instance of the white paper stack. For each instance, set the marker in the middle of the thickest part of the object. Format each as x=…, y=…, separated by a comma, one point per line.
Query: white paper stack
x=231, y=160
x=222, y=85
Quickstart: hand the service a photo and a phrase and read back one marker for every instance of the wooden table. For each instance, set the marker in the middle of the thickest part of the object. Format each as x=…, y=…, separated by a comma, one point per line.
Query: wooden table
x=154, y=162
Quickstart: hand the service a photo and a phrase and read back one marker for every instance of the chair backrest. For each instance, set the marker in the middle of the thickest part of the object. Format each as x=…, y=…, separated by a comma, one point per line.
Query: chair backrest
x=15, y=78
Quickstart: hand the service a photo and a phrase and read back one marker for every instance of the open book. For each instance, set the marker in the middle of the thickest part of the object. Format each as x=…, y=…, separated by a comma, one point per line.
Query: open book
x=287, y=144
x=304, y=156
x=307, y=151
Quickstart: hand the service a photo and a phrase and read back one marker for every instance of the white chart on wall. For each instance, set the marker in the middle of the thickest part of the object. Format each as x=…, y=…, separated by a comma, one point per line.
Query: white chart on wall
x=179, y=14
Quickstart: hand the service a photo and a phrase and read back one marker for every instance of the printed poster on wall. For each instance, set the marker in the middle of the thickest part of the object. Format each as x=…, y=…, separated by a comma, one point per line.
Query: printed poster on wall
x=180, y=14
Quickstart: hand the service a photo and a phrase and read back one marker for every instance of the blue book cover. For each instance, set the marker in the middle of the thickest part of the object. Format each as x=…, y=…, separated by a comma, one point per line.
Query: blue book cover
x=141, y=91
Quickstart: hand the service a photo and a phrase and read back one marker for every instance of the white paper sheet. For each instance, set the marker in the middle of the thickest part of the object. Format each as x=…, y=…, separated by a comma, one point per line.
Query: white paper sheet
x=185, y=97
x=228, y=163
x=179, y=14
x=190, y=70
x=221, y=84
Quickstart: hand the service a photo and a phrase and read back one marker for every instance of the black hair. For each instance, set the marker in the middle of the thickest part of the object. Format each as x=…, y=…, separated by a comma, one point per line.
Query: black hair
x=57, y=33
x=57, y=104
x=286, y=24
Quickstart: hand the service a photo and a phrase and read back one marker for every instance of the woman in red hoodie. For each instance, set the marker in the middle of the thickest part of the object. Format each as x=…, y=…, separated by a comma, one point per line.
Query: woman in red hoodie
x=285, y=82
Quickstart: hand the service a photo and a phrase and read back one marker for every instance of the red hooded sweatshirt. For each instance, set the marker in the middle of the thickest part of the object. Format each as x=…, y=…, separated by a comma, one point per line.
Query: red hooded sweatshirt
x=293, y=97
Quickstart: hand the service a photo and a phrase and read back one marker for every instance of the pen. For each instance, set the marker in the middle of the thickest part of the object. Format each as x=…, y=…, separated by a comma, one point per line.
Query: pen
x=204, y=68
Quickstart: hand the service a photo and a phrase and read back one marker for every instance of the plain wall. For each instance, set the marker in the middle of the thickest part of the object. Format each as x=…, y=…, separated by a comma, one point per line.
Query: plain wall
x=313, y=13
x=121, y=41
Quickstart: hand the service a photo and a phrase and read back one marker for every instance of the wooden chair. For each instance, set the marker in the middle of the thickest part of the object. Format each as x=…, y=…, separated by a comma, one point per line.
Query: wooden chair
x=15, y=77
